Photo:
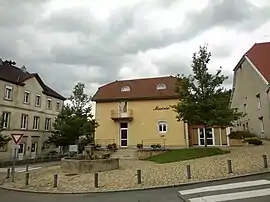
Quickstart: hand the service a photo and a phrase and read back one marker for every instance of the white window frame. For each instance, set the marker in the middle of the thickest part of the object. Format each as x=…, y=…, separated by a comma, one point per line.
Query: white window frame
x=24, y=121
x=24, y=97
x=261, y=124
x=259, y=101
x=38, y=105
x=204, y=133
x=161, y=86
x=162, y=123
x=10, y=88
x=58, y=104
x=6, y=119
x=36, y=122
x=49, y=100
x=125, y=89
x=47, y=124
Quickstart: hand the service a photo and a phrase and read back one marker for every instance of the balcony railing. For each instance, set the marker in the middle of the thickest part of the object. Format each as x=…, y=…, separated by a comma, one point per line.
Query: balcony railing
x=120, y=115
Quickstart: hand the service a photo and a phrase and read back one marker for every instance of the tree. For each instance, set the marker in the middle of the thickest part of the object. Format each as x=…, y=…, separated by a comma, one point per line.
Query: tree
x=74, y=121
x=10, y=62
x=203, y=100
x=3, y=139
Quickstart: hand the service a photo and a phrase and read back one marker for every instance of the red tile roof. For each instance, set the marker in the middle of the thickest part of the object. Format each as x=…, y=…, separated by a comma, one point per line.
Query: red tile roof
x=259, y=55
x=140, y=89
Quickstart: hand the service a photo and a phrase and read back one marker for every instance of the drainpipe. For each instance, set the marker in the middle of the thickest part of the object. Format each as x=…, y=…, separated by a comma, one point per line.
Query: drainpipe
x=186, y=134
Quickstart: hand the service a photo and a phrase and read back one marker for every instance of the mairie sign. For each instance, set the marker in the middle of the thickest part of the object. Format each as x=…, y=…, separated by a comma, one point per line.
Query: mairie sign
x=158, y=108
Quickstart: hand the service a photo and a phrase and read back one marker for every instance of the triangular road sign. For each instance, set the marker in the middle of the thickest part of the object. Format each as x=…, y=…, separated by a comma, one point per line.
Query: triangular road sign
x=16, y=138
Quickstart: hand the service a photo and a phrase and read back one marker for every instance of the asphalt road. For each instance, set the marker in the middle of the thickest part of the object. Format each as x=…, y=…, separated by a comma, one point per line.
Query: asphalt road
x=157, y=195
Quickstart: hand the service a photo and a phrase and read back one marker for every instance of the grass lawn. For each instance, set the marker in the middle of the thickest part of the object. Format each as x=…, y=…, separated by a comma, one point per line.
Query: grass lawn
x=186, y=154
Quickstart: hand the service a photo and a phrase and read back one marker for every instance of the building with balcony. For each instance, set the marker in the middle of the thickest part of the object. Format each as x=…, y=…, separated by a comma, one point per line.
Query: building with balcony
x=28, y=106
x=131, y=112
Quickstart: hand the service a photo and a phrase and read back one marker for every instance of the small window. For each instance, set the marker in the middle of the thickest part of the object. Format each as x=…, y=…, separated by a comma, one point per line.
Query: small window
x=259, y=101
x=8, y=92
x=6, y=119
x=49, y=103
x=245, y=108
x=47, y=124
x=58, y=106
x=162, y=127
x=26, y=97
x=262, y=124
x=161, y=86
x=38, y=100
x=3, y=146
x=125, y=88
x=24, y=121
x=36, y=123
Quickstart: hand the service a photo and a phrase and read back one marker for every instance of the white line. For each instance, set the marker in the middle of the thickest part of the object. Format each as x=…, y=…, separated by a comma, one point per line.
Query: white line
x=233, y=196
x=225, y=187
x=29, y=169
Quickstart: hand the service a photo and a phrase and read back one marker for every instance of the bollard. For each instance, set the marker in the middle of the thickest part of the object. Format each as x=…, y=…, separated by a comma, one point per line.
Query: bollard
x=26, y=178
x=188, y=172
x=27, y=167
x=8, y=173
x=96, y=180
x=55, y=180
x=229, y=166
x=265, y=163
x=139, y=176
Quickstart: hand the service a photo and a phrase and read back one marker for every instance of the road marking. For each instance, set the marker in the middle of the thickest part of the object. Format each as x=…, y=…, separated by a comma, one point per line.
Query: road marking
x=225, y=187
x=232, y=196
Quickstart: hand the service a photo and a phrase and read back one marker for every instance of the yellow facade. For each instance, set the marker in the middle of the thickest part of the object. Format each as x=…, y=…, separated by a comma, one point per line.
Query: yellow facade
x=144, y=126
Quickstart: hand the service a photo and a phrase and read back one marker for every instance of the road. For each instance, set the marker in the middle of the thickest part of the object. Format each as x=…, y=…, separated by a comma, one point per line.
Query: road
x=161, y=195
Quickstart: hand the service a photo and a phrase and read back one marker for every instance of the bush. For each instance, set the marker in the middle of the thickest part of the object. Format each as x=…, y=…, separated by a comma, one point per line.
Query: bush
x=155, y=146
x=97, y=146
x=112, y=147
x=139, y=146
x=253, y=140
x=241, y=135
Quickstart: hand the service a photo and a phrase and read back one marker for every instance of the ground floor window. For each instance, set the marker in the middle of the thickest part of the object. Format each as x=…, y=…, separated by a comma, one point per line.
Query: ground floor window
x=162, y=127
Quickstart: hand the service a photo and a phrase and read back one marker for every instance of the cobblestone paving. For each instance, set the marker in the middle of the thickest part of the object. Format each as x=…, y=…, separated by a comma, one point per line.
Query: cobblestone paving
x=244, y=160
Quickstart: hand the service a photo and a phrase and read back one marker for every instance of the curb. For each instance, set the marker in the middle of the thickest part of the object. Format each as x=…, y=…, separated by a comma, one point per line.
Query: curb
x=138, y=189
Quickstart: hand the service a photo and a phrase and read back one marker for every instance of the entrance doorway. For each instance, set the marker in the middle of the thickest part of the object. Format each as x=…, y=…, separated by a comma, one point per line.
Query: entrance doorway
x=208, y=132
x=33, y=150
x=21, y=151
x=123, y=134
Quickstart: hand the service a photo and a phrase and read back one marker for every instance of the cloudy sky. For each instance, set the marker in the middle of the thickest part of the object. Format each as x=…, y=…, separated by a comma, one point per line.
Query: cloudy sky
x=99, y=41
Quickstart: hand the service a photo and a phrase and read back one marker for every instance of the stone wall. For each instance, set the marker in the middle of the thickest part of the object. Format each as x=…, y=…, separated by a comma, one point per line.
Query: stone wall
x=87, y=166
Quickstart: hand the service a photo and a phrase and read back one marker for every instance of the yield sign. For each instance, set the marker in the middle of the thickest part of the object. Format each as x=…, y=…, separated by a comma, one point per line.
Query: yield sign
x=16, y=138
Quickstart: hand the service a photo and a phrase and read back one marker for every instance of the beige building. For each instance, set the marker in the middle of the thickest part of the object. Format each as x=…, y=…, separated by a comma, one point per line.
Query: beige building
x=250, y=93
x=28, y=107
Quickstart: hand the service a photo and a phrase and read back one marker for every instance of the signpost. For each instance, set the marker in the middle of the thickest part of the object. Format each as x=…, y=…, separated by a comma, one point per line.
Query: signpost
x=16, y=139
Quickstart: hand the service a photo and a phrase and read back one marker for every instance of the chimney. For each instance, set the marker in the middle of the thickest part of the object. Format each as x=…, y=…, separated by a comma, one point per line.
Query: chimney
x=23, y=68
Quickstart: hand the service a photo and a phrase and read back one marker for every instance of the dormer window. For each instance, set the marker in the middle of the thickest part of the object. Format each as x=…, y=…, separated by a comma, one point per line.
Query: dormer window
x=125, y=88
x=161, y=86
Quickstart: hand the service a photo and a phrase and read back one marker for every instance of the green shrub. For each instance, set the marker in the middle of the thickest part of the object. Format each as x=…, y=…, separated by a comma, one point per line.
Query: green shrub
x=97, y=146
x=112, y=147
x=139, y=146
x=155, y=146
x=241, y=135
x=253, y=140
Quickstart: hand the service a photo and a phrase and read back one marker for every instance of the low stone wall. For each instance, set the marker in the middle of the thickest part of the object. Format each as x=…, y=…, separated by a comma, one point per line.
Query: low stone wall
x=88, y=166
x=143, y=154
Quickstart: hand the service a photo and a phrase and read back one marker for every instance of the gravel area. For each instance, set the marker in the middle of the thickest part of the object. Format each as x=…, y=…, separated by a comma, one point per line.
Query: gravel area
x=244, y=160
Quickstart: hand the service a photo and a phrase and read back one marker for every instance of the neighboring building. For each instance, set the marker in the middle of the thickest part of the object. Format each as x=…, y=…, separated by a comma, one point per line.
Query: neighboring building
x=131, y=112
x=28, y=107
x=250, y=93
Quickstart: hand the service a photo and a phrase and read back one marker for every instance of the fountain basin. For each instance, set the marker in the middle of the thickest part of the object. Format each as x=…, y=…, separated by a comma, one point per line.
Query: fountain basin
x=73, y=165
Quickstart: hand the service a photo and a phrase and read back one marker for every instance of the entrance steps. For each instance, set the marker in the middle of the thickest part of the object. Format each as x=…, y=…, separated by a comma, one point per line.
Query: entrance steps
x=126, y=154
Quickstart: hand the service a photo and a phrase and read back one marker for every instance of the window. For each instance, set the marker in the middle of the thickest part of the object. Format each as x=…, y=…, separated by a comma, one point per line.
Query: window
x=24, y=121
x=38, y=100
x=26, y=97
x=8, y=92
x=262, y=125
x=49, y=103
x=162, y=127
x=3, y=146
x=161, y=86
x=259, y=101
x=6, y=119
x=58, y=105
x=47, y=124
x=36, y=123
x=247, y=126
x=245, y=108
x=125, y=88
